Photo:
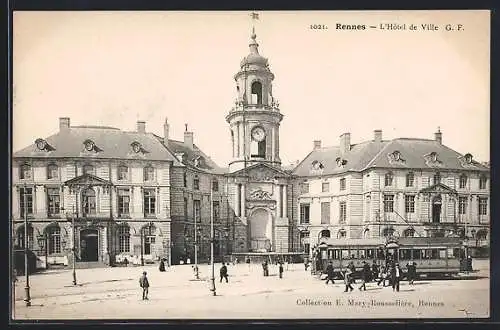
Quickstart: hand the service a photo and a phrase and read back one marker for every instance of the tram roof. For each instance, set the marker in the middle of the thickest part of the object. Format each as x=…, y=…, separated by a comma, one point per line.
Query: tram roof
x=403, y=241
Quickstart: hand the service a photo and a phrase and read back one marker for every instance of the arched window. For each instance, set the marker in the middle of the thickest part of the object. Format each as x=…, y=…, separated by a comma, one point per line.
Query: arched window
x=149, y=237
x=410, y=179
x=196, y=183
x=463, y=181
x=481, y=234
x=342, y=234
x=256, y=92
x=89, y=201
x=149, y=173
x=52, y=171
x=25, y=172
x=437, y=178
x=122, y=172
x=325, y=233
x=473, y=234
x=88, y=169
x=123, y=238
x=21, y=238
x=54, y=239
x=388, y=179
x=366, y=233
x=388, y=232
x=482, y=182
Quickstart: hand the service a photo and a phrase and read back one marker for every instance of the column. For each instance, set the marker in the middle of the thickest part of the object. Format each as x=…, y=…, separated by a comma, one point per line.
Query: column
x=242, y=140
x=273, y=145
x=242, y=200
x=237, y=142
x=279, y=201
x=113, y=201
x=285, y=201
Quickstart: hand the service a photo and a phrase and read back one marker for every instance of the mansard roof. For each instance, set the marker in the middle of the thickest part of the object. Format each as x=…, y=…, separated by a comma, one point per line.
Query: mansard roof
x=400, y=153
x=110, y=143
x=190, y=155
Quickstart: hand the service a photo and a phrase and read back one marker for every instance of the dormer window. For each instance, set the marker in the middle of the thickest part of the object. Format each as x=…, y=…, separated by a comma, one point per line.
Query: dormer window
x=317, y=165
x=433, y=156
x=89, y=145
x=340, y=162
x=468, y=158
x=136, y=147
x=198, y=161
x=397, y=155
x=41, y=144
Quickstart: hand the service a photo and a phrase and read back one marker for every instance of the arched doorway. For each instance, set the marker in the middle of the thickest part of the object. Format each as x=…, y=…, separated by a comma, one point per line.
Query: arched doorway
x=89, y=247
x=436, y=209
x=260, y=230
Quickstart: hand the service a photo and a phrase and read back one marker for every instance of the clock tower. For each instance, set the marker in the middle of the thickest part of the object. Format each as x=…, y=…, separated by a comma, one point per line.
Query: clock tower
x=255, y=118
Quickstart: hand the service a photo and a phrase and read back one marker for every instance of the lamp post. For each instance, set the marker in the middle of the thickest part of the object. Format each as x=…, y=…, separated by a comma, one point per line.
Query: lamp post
x=27, y=298
x=196, y=272
x=212, y=278
x=73, y=245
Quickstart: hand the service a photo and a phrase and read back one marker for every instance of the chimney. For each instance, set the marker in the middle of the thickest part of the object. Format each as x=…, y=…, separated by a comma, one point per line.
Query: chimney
x=438, y=136
x=166, y=128
x=188, y=138
x=377, y=135
x=345, y=142
x=317, y=144
x=141, y=127
x=63, y=123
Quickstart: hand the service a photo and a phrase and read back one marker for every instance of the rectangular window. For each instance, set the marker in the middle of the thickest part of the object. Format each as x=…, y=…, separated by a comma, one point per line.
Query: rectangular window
x=410, y=178
x=215, y=185
x=123, y=202
x=123, y=239
x=304, y=188
x=123, y=173
x=52, y=172
x=196, y=183
x=149, y=173
x=342, y=212
x=185, y=208
x=304, y=213
x=325, y=187
x=26, y=205
x=216, y=209
x=462, y=205
x=388, y=203
x=482, y=182
x=197, y=210
x=149, y=202
x=463, y=181
x=283, y=202
x=149, y=242
x=53, y=202
x=25, y=172
x=483, y=206
x=54, y=241
x=410, y=204
x=325, y=212
x=342, y=184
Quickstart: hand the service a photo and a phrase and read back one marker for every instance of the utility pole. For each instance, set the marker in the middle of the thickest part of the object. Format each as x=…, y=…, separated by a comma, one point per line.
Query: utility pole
x=73, y=248
x=212, y=278
x=27, y=298
x=196, y=272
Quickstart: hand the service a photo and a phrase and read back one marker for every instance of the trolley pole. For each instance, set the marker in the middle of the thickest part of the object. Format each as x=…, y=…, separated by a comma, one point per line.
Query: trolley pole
x=212, y=278
x=27, y=298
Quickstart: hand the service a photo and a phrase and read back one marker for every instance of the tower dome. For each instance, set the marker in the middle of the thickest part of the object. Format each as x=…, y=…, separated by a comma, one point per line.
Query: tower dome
x=254, y=58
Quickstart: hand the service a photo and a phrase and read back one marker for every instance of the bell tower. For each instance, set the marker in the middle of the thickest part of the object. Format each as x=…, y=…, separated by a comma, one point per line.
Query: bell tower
x=255, y=118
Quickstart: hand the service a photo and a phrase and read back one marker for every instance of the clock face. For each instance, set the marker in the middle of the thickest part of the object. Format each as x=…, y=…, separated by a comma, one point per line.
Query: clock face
x=40, y=144
x=89, y=145
x=258, y=134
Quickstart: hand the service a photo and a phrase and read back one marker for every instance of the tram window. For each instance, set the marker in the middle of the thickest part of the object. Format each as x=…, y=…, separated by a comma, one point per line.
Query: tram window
x=380, y=254
x=449, y=253
x=405, y=254
x=433, y=254
x=336, y=254
x=344, y=253
x=323, y=254
x=426, y=254
x=442, y=253
x=417, y=254
x=369, y=253
x=353, y=254
x=457, y=253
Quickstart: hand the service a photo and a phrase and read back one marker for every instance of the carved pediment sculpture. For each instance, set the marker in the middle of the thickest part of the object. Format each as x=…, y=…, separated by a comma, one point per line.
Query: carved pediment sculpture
x=261, y=174
x=260, y=195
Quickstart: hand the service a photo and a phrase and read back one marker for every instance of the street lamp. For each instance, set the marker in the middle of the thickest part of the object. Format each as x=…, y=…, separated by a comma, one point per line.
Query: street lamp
x=73, y=245
x=26, y=264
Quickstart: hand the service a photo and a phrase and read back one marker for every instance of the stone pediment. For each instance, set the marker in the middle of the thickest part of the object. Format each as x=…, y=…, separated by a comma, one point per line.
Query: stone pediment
x=87, y=180
x=439, y=188
x=262, y=173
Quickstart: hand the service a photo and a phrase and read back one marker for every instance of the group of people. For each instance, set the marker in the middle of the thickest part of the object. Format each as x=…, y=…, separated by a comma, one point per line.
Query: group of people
x=391, y=272
x=265, y=268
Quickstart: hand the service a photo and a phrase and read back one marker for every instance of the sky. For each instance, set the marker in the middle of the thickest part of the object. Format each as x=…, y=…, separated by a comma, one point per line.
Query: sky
x=115, y=68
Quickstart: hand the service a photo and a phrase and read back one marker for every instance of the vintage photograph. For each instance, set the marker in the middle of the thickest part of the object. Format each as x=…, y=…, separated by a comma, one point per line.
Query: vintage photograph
x=250, y=165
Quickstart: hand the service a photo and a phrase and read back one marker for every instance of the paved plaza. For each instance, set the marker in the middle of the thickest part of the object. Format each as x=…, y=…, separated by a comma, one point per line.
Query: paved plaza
x=114, y=293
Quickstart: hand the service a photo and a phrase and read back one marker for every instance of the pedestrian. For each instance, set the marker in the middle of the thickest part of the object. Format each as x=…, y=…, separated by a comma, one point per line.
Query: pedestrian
x=144, y=283
x=347, y=280
x=306, y=264
x=223, y=273
x=412, y=272
x=396, y=277
x=375, y=271
x=125, y=262
x=281, y=269
x=365, y=276
x=162, y=265
x=329, y=273
x=352, y=268
x=382, y=277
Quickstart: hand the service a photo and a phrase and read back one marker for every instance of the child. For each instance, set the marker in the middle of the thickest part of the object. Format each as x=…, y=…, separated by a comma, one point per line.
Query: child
x=144, y=283
x=281, y=270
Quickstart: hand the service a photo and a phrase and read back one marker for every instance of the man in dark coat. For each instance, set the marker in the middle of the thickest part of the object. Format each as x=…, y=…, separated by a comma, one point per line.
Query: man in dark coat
x=374, y=270
x=396, y=274
x=281, y=269
x=223, y=273
x=162, y=265
x=412, y=272
x=365, y=276
x=144, y=283
x=329, y=273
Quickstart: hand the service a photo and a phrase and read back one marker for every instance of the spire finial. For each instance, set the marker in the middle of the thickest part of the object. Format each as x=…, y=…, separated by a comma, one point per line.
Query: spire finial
x=253, y=42
x=439, y=129
x=186, y=125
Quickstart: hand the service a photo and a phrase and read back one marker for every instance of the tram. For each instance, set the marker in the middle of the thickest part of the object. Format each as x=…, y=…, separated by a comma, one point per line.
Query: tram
x=432, y=255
